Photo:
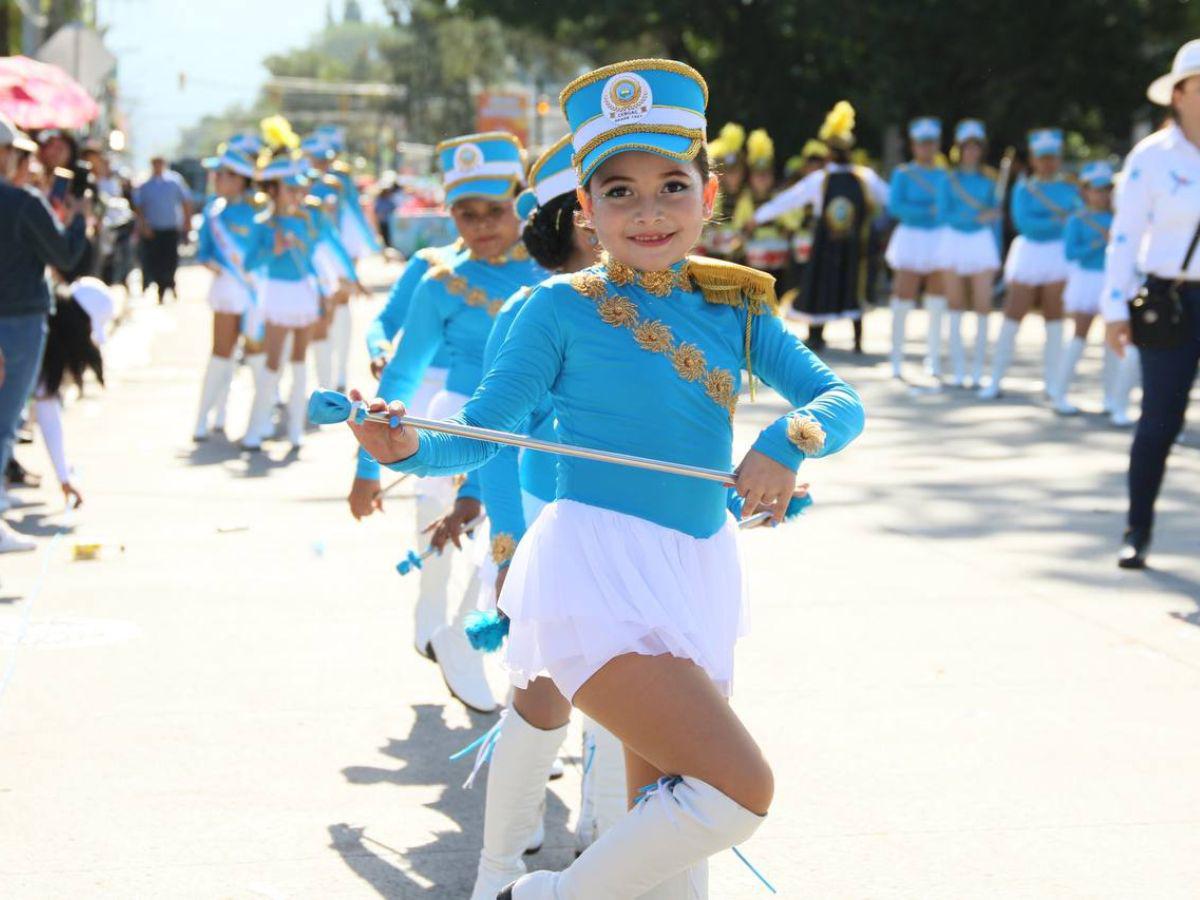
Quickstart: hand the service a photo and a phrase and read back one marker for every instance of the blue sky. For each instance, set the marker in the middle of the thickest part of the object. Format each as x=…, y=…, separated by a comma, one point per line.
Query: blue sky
x=219, y=44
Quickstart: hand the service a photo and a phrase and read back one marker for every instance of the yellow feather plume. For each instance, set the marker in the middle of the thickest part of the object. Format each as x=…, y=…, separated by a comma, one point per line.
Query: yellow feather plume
x=760, y=149
x=733, y=136
x=839, y=124
x=278, y=134
x=813, y=147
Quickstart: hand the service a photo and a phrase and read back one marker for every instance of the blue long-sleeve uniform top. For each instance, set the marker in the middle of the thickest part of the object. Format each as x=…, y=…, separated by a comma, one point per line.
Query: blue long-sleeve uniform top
x=655, y=376
x=912, y=197
x=224, y=234
x=384, y=327
x=962, y=196
x=452, y=306
x=512, y=470
x=1086, y=237
x=295, y=262
x=1040, y=208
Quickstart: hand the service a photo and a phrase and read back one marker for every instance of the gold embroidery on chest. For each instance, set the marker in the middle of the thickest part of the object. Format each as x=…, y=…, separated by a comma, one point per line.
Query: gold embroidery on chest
x=617, y=311
x=659, y=284
x=689, y=362
x=460, y=287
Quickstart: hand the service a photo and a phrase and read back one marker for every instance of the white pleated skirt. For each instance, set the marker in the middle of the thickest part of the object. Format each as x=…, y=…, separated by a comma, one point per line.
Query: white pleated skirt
x=969, y=252
x=329, y=273
x=1083, y=290
x=1035, y=262
x=228, y=295
x=488, y=570
x=590, y=584
x=290, y=304
x=350, y=231
x=442, y=404
x=914, y=249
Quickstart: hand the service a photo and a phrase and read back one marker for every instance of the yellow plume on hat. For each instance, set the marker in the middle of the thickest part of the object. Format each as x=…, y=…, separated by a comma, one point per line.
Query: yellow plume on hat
x=839, y=124
x=760, y=149
x=733, y=136
x=813, y=147
x=277, y=133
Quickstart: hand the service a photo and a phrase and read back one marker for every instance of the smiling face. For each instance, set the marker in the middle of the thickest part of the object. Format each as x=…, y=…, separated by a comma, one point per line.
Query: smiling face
x=648, y=210
x=488, y=227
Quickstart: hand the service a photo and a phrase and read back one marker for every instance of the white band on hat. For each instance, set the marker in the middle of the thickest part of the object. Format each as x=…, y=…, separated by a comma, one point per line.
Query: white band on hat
x=658, y=115
x=558, y=183
x=503, y=169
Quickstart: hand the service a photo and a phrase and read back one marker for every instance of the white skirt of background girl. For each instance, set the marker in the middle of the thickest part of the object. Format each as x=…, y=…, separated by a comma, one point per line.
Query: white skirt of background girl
x=350, y=231
x=488, y=570
x=969, y=252
x=227, y=294
x=1082, y=293
x=914, y=249
x=290, y=304
x=1035, y=262
x=329, y=272
x=589, y=584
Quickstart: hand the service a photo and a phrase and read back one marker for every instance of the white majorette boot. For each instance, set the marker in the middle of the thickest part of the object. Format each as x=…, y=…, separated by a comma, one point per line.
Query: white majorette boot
x=958, y=353
x=1052, y=360
x=690, y=884
x=218, y=422
x=461, y=664
x=1129, y=371
x=433, y=580
x=298, y=404
x=339, y=337
x=604, y=797
x=936, y=307
x=679, y=824
x=983, y=323
x=323, y=362
x=516, y=800
x=1062, y=388
x=266, y=388
x=1006, y=345
x=216, y=374
x=900, y=311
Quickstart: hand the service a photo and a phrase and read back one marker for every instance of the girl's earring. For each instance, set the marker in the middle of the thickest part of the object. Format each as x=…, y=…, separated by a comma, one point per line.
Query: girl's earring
x=593, y=240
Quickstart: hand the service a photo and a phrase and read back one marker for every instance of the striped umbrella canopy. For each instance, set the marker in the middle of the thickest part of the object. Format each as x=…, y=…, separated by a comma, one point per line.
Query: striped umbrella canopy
x=36, y=95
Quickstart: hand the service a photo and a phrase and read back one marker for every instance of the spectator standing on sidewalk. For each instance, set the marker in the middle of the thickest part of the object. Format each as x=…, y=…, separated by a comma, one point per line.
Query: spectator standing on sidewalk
x=31, y=237
x=164, y=207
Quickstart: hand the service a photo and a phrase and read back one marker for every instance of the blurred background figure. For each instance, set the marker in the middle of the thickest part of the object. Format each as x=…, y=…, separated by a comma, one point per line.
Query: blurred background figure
x=163, y=207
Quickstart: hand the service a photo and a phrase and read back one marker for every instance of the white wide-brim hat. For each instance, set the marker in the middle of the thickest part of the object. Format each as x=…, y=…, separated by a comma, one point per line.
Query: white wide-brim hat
x=1187, y=64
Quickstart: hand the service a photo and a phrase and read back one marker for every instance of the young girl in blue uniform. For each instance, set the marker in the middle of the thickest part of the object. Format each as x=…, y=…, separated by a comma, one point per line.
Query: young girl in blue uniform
x=453, y=307
x=221, y=246
x=913, y=250
x=968, y=210
x=1084, y=242
x=1036, y=268
x=627, y=590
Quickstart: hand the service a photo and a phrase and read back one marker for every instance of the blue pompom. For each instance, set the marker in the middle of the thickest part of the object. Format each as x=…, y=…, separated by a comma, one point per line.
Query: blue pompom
x=328, y=407
x=796, y=506
x=486, y=630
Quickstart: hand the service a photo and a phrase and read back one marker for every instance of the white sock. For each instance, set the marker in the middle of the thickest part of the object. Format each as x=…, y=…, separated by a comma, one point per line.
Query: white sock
x=228, y=371
x=1070, y=362
x=983, y=323
x=1129, y=372
x=298, y=403
x=323, y=359
x=1006, y=345
x=339, y=336
x=1052, y=357
x=958, y=354
x=936, y=307
x=209, y=391
x=900, y=310
x=1112, y=364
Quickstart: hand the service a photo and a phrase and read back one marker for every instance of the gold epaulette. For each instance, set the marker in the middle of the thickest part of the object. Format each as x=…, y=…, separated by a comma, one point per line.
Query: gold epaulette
x=731, y=284
x=340, y=166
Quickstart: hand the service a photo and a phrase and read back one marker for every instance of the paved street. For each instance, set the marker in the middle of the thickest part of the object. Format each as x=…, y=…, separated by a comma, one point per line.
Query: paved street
x=961, y=694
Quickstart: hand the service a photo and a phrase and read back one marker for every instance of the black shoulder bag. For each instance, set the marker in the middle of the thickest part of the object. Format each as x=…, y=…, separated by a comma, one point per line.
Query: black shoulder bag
x=1157, y=314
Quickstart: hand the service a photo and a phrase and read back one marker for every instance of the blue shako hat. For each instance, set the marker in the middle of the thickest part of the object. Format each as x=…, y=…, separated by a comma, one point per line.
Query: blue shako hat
x=234, y=160
x=284, y=168
x=969, y=130
x=484, y=165
x=551, y=176
x=1046, y=142
x=1097, y=175
x=652, y=105
x=925, y=128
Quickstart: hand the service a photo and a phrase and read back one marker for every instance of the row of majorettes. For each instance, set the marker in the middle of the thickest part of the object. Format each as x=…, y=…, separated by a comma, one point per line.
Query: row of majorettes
x=622, y=586
x=284, y=270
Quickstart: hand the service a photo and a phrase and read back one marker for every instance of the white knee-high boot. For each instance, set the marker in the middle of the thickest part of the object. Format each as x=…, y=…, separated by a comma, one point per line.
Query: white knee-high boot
x=1006, y=345
x=339, y=336
x=223, y=395
x=266, y=388
x=323, y=359
x=936, y=307
x=983, y=322
x=900, y=311
x=298, y=404
x=215, y=375
x=603, y=795
x=461, y=664
x=1129, y=372
x=1062, y=383
x=434, y=578
x=958, y=353
x=690, y=884
x=516, y=793
x=680, y=824
x=1052, y=359
x=1108, y=377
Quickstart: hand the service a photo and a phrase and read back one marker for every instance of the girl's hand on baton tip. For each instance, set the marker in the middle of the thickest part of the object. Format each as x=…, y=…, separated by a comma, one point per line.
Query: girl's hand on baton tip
x=449, y=528
x=385, y=443
x=765, y=484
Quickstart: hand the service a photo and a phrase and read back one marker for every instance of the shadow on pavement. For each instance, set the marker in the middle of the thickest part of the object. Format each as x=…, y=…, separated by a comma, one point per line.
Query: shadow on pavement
x=450, y=859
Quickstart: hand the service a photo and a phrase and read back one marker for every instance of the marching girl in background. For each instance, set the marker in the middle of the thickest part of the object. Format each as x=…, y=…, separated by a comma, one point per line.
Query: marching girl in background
x=282, y=244
x=844, y=197
x=968, y=210
x=453, y=307
x=913, y=251
x=1036, y=268
x=224, y=235
x=627, y=590
x=1084, y=242
x=766, y=246
x=812, y=158
x=720, y=239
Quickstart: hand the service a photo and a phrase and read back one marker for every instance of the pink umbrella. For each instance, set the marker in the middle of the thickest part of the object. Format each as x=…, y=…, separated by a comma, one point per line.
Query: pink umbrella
x=36, y=95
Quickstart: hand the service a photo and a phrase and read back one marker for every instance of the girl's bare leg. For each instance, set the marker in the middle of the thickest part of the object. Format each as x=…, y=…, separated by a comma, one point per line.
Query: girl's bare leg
x=956, y=299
